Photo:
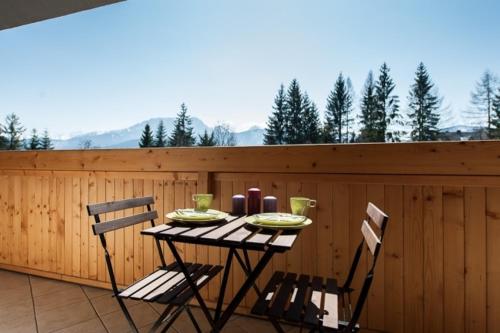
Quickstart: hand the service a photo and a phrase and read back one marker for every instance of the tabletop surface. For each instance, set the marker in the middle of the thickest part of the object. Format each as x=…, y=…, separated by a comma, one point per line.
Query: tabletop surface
x=233, y=232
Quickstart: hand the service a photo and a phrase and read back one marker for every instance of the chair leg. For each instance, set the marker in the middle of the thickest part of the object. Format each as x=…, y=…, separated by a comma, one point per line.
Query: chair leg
x=160, y=320
x=127, y=315
x=173, y=317
x=276, y=325
x=193, y=319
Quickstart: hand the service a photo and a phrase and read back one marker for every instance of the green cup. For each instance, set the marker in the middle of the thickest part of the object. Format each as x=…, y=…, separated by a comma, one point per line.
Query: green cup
x=202, y=201
x=301, y=205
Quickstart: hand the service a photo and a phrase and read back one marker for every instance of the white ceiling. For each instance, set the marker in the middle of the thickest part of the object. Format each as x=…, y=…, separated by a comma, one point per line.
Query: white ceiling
x=14, y=13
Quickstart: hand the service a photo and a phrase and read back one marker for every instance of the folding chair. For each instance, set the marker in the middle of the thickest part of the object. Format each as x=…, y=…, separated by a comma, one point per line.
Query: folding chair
x=167, y=284
x=319, y=306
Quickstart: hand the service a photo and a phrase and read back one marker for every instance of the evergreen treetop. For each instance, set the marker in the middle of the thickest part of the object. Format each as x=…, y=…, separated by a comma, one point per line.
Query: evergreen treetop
x=13, y=132
x=146, y=138
x=293, y=114
x=338, y=114
x=276, y=124
x=206, y=140
x=46, y=142
x=389, y=122
x=34, y=141
x=369, y=118
x=311, y=124
x=423, y=105
x=160, y=135
x=182, y=135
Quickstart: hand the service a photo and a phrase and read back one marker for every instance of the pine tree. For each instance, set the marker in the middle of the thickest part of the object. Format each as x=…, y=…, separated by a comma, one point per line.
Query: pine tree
x=34, y=141
x=206, y=140
x=146, y=138
x=3, y=139
x=338, y=114
x=293, y=114
x=389, y=122
x=182, y=136
x=13, y=132
x=369, y=112
x=482, y=102
x=424, y=105
x=160, y=135
x=46, y=142
x=311, y=124
x=275, y=131
x=495, y=132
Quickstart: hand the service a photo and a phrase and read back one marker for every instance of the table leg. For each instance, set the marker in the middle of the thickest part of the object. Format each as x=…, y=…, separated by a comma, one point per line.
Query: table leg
x=247, y=268
x=225, y=277
x=252, y=277
x=192, y=285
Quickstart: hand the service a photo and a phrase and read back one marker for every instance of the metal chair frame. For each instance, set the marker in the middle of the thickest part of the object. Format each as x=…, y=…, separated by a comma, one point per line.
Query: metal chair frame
x=95, y=210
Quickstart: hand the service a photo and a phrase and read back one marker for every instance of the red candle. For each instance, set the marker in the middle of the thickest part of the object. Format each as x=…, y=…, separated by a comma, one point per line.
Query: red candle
x=254, y=196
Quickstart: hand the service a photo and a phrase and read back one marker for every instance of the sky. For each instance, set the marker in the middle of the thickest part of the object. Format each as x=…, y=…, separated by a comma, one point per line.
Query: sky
x=114, y=66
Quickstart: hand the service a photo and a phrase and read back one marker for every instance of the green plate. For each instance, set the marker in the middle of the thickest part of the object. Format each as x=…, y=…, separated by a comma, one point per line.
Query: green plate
x=191, y=216
x=253, y=220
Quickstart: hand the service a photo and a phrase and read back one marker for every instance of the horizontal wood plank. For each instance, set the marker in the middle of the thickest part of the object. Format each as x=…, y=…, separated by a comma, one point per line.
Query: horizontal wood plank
x=123, y=222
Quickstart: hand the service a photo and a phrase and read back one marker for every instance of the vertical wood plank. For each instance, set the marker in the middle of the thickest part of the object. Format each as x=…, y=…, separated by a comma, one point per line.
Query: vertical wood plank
x=294, y=256
x=413, y=259
x=214, y=252
x=84, y=227
x=102, y=272
x=93, y=239
x=169, y=206
x=158, y=206
x=189, y=190
x=75, y=221
x=138, y=239
x=278, y=189
x=17, y=258
x=433, y=258
x=148, y=241
x=226, y=194
x=493, y=259
x=37, y=245
x=53, y=221
x=341, y=254
x=393, y=264
x=309, y=235
x=324, y=233
x=3, y=217
x=454, y=259
x=128, y=275
x=119, y=267
x=10, y=221
x=475, y=259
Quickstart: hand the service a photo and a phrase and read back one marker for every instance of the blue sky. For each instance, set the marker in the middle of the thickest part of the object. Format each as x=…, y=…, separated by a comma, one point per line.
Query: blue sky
x=111, y=67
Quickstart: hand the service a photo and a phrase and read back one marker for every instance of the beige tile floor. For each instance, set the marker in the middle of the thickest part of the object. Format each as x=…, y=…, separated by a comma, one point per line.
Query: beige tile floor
x=39, y=305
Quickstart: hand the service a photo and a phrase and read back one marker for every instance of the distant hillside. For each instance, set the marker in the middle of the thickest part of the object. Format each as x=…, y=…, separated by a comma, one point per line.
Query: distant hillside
x=129, y=137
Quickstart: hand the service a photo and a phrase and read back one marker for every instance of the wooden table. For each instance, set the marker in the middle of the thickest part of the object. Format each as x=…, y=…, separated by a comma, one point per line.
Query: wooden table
x=235, y=235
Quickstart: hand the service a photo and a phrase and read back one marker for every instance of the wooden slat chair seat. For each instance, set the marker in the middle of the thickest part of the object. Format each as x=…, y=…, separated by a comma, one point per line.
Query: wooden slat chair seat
x=167, y=284
x=318, y=303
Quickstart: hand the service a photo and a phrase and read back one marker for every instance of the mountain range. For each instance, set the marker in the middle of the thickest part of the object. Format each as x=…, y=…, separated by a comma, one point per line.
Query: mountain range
x=129, y=137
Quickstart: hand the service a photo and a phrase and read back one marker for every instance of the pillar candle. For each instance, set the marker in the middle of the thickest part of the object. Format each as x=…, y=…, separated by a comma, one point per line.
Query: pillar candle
x=238, y=205
x=270, y=204
x=254, y=196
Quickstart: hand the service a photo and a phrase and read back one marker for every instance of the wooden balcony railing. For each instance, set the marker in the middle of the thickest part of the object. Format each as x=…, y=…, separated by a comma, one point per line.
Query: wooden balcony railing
x=440, y=266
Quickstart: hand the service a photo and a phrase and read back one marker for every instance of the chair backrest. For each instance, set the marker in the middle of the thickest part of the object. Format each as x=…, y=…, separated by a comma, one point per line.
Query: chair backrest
x=373, y=230
x=101, y=227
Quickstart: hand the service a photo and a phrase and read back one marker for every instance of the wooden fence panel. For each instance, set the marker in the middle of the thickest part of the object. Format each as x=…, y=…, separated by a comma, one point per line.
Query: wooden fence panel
x=438, y=270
